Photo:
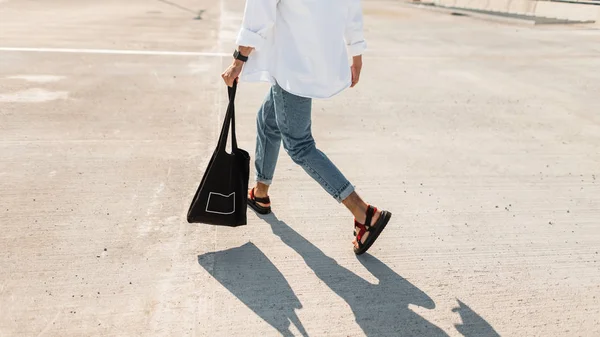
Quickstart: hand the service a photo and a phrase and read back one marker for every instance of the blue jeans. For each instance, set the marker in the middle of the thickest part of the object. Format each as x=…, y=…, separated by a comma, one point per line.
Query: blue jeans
x=286, y=117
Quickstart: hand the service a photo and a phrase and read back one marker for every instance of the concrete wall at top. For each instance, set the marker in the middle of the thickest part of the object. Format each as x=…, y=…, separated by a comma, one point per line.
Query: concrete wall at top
x=570, y=11
x=509, y=6
x=559, y=10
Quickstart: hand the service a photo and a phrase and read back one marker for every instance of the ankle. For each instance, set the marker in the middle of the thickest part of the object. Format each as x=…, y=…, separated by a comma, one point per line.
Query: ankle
x=261, y=190
x=357, y=207
x=361, y=215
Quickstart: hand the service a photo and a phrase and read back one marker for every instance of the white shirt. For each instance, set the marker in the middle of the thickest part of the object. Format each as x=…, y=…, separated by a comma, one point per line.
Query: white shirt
x=303, y=45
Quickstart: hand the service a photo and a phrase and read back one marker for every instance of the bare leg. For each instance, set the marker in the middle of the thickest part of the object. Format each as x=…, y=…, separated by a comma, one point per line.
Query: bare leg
x=358, y=208
x=261, y=191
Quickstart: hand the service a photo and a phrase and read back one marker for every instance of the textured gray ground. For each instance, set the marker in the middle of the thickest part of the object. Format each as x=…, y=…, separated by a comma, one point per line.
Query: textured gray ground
x=483, y=139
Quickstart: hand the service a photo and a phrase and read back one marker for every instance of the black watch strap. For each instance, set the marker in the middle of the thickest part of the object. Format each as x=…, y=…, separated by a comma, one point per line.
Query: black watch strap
x=238, y=56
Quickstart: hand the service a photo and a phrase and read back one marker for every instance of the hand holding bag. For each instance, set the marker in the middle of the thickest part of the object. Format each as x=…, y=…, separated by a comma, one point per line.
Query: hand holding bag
x=221, y=198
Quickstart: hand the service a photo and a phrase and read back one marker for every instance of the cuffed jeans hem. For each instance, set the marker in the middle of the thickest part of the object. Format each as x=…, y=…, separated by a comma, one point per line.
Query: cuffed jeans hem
x=345, y=193
x=262, y=180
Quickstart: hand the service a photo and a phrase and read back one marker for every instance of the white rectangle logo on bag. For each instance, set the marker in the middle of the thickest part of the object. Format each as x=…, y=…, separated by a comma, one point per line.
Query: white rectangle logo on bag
x=218, y=203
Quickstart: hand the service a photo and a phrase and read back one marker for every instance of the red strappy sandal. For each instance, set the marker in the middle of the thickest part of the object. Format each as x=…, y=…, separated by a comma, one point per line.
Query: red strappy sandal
x=253, y=203
x=373, y=230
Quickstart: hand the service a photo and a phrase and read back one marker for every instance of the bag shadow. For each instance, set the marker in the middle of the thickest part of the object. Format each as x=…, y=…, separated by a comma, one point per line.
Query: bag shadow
x=249, y=275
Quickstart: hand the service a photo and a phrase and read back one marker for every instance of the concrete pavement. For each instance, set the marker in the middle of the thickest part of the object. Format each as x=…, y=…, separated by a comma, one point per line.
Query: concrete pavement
x=483, y=139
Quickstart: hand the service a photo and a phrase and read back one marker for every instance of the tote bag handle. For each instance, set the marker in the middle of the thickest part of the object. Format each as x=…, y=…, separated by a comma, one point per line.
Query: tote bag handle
x=229, y=119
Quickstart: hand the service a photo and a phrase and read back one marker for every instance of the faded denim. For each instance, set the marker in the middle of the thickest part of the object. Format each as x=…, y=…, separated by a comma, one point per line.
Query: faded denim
x=285, y=117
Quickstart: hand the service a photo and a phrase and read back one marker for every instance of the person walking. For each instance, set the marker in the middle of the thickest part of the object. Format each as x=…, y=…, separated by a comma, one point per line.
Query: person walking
x=302, y=47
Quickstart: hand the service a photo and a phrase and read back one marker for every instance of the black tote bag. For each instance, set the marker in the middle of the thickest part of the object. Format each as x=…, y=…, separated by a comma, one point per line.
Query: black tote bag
x=221, y=197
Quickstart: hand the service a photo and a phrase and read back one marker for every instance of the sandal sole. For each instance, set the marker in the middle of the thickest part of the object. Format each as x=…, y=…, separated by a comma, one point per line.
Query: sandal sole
x=258, y=208
x=385, y=216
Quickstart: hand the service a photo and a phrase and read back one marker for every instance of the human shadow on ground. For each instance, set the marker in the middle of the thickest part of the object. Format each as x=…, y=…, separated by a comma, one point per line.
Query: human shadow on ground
x=379, y=309
x=249, y=275
x=473, y=325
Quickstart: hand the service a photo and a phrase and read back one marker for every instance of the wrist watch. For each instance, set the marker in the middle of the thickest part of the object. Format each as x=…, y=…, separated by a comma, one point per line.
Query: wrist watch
x=238, y=56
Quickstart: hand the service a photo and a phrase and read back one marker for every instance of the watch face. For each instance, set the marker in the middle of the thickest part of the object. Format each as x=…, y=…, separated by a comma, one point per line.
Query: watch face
x=239, y=56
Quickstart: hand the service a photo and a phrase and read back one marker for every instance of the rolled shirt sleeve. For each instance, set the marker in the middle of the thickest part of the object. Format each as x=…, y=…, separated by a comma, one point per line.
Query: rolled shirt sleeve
x=259, y=19
x=354, y=36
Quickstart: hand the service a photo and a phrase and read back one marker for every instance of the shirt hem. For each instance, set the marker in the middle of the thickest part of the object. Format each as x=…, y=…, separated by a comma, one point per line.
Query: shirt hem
x=265, y=76
x=346, y=86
